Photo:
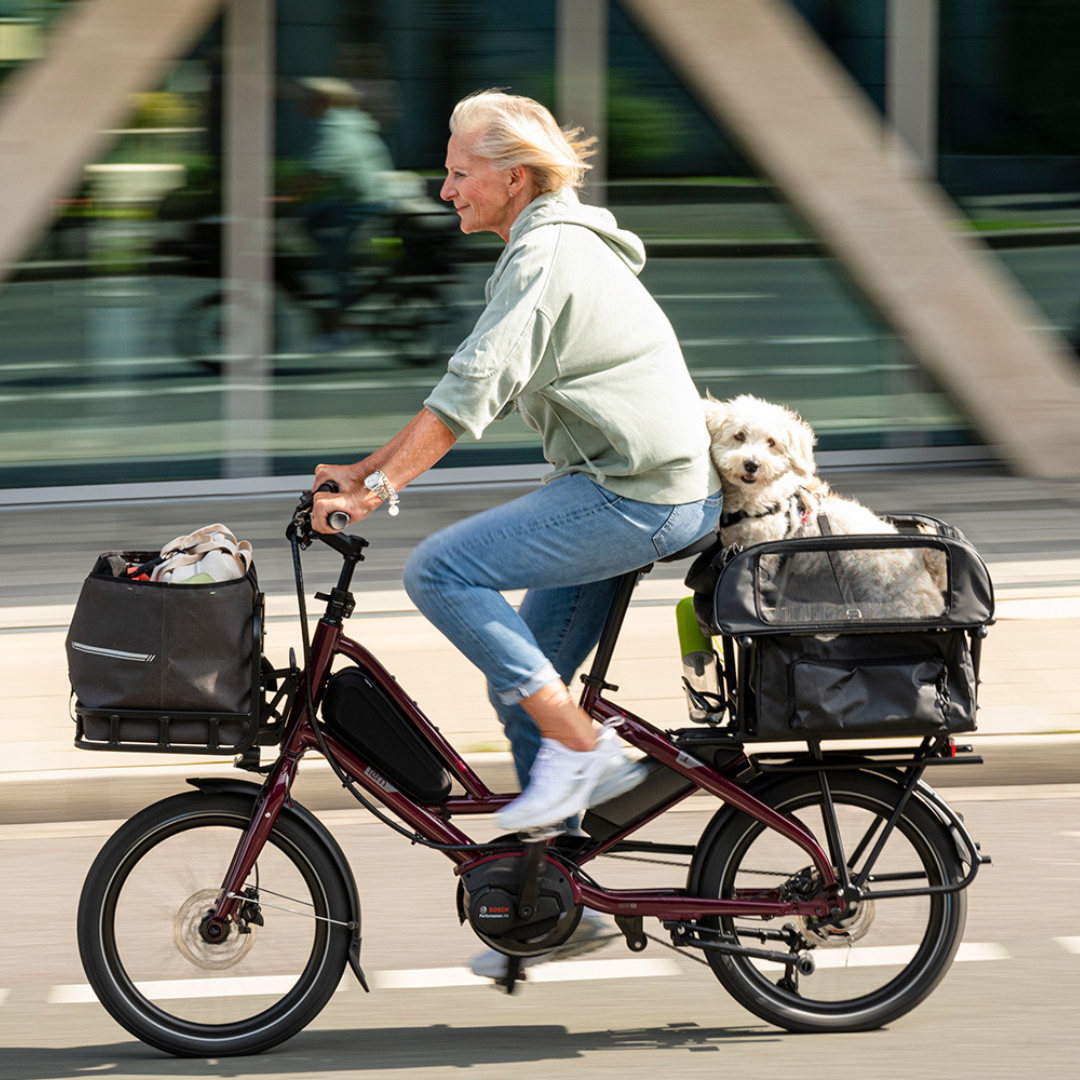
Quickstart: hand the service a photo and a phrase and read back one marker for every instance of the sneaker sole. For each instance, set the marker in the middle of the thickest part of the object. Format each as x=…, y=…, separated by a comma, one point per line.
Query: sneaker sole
x=618, y=785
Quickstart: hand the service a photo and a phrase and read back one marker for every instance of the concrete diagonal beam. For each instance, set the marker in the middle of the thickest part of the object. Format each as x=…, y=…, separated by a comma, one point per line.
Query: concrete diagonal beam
x=772, y=85
x=54, y=112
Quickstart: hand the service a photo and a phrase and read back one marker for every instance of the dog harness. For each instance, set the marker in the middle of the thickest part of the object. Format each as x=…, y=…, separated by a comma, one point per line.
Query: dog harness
x=805, y=507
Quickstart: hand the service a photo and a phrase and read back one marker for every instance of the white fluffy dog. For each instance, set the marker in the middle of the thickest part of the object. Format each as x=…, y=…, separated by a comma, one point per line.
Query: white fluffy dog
x=764, y=454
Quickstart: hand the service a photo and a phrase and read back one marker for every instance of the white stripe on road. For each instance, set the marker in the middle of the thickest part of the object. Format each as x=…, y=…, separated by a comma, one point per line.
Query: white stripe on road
x=1069, y=944
x=892, y=955
x=177, y=989
x=570, y=971
x=567, y=971
x=412, y=979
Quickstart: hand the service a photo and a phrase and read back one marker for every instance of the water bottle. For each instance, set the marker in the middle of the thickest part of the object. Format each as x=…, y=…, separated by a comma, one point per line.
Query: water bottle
x=701, y=667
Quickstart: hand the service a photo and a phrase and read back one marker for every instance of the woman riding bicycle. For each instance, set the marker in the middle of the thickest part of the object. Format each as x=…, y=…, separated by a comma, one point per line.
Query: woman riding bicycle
x=572, y=340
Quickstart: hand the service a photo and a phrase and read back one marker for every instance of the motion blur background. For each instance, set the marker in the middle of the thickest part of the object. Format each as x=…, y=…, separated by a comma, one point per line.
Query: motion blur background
x=195, y=184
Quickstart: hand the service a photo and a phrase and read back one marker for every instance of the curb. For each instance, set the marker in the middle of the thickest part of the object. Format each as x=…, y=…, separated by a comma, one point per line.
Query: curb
x=116, y=793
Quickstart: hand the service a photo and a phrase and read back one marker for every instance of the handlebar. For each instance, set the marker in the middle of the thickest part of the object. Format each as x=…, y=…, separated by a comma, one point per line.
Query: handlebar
x=351, y=547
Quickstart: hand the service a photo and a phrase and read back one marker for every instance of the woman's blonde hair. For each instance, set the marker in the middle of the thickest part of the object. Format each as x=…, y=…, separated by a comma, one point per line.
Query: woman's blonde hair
x=510, y=130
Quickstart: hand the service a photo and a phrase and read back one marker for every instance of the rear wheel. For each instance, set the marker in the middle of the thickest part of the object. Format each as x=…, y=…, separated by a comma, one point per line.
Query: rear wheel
x=878, y=960
x=144, y=908
x=200, y=331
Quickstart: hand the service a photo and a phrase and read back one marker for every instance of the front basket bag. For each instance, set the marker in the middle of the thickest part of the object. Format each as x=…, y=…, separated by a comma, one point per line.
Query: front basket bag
x=155, y=646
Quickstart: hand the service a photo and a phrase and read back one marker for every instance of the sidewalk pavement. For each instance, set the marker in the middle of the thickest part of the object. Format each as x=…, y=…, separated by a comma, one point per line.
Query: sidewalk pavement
x=1031, y=683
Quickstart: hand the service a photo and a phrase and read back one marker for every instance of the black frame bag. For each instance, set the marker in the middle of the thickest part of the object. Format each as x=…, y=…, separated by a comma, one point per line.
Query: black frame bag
x=142, y=648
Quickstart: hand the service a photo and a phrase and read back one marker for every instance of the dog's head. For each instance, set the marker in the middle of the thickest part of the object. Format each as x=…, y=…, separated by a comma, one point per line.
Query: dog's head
x=755, y=442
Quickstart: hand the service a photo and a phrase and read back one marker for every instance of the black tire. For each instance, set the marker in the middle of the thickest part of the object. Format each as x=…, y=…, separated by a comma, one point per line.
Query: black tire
x=888, y=957
x=200, y=331
x=139, y=917
x=415, y=323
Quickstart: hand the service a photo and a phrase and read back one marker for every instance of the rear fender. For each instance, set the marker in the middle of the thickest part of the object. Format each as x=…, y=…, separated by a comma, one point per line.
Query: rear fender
x=966, y=847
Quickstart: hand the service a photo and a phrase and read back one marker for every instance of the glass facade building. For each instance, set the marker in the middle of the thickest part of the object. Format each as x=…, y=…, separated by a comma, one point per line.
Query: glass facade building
x=131, y=348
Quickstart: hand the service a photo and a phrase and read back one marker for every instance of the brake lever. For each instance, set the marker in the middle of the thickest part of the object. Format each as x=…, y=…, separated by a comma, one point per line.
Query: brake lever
x=301, y=522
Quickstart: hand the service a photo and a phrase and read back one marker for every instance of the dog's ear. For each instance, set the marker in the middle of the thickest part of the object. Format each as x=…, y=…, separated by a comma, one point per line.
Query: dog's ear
x=802, y=447
x=715, y=413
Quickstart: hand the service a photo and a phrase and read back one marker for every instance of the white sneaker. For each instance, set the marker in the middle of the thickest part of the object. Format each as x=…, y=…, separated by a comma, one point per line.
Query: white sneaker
x=561, y=783
x=593, y=932
x=492, y=964
x=620, y=776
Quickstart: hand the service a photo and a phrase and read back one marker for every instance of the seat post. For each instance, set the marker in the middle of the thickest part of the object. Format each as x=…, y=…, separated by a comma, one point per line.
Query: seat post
x=595, y=681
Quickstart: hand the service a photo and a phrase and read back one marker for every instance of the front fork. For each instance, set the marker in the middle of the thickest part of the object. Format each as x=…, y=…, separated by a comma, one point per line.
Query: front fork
x=271, y=801
x=274, y=796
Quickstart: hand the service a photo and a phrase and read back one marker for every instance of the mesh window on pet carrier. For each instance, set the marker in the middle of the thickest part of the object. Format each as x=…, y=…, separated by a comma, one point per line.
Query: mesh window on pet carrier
x=851, y=585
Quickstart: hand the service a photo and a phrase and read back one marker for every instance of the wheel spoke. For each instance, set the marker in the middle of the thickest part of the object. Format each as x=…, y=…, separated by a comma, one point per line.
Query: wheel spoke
x=146, y=908
x=875, y=960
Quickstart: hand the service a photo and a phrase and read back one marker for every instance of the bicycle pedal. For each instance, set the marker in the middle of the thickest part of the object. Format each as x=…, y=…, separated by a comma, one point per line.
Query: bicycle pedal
x=545, y=832
x=515, y=973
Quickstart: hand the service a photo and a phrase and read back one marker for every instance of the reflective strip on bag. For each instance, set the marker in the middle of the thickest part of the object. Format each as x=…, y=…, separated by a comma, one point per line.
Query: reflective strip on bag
x=117, y=654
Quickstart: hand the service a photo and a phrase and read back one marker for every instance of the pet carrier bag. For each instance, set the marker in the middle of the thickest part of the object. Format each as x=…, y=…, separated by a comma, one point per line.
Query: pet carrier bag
x=839, y=637
x=165, y=666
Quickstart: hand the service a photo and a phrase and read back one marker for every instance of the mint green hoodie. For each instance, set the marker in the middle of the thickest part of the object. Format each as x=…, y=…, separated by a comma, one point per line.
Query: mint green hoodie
x=572, y=337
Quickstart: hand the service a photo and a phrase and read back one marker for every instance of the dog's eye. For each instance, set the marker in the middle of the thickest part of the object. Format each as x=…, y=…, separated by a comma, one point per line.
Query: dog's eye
x=772, y=442
x=740, y=437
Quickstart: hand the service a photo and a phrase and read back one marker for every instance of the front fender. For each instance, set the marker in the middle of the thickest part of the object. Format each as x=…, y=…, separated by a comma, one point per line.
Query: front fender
x=322, y=836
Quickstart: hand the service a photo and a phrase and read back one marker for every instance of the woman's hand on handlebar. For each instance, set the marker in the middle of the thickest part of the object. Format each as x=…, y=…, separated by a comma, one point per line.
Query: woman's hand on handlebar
x=351, y=498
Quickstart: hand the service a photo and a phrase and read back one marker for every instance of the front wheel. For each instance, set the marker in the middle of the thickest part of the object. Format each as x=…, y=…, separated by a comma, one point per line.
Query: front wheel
x=877, y=961
x=147, y=898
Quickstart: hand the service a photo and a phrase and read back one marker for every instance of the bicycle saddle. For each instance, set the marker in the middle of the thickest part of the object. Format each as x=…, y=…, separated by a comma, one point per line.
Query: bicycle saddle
x=696, y=548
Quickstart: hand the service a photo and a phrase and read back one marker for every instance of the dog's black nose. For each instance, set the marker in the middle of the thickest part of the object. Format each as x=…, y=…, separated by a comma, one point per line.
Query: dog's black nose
x=751, y=467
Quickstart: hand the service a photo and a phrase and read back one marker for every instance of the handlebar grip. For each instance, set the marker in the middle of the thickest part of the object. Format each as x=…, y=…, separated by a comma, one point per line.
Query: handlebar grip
x=338, y=520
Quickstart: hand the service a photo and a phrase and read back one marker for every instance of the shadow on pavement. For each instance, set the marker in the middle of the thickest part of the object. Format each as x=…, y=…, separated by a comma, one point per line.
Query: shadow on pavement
x=351, y=1051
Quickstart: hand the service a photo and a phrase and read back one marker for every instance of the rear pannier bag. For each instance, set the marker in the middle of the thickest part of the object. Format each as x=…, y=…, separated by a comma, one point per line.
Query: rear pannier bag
x=147, y=657
x=862, y=686
x=839, y=637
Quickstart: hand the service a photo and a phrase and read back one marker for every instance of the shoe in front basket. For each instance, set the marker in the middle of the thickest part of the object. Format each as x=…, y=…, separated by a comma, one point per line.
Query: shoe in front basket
x=561, y=783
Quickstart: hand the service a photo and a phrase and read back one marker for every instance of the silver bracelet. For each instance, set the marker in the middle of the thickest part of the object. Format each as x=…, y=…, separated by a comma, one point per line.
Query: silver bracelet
x=382, y=487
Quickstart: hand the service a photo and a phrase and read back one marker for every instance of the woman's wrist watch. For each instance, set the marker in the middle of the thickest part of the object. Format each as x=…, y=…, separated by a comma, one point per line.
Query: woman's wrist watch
x=382, y=487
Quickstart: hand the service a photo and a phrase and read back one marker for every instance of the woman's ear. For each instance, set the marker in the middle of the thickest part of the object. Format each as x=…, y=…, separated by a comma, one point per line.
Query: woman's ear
x=519, y=179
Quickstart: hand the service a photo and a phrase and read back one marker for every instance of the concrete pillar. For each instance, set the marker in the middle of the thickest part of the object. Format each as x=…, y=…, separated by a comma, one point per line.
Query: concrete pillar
x=911, y=78
x=773, y=86
x=249, y=238
x=581, y=78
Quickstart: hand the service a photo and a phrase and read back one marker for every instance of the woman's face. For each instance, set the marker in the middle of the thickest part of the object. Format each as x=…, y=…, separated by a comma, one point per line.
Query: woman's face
x=485, y=198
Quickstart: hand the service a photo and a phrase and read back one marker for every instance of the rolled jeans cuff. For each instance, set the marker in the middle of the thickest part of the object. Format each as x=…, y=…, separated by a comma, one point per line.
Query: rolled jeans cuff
x=544, y=677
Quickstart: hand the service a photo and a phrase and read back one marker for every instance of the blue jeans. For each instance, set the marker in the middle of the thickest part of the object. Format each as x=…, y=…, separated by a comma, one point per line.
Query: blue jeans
x=567, y=543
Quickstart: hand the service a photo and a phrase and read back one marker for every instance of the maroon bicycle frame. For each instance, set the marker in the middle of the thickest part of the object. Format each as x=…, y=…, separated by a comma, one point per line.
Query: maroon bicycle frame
x=435, y=822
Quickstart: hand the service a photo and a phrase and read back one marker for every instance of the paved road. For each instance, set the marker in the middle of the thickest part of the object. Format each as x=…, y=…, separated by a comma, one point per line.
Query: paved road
x=1013, y=990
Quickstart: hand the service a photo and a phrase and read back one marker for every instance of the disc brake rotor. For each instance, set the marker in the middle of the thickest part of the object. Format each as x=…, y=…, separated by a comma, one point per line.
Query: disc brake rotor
x=187, y=933
x=843, y=931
